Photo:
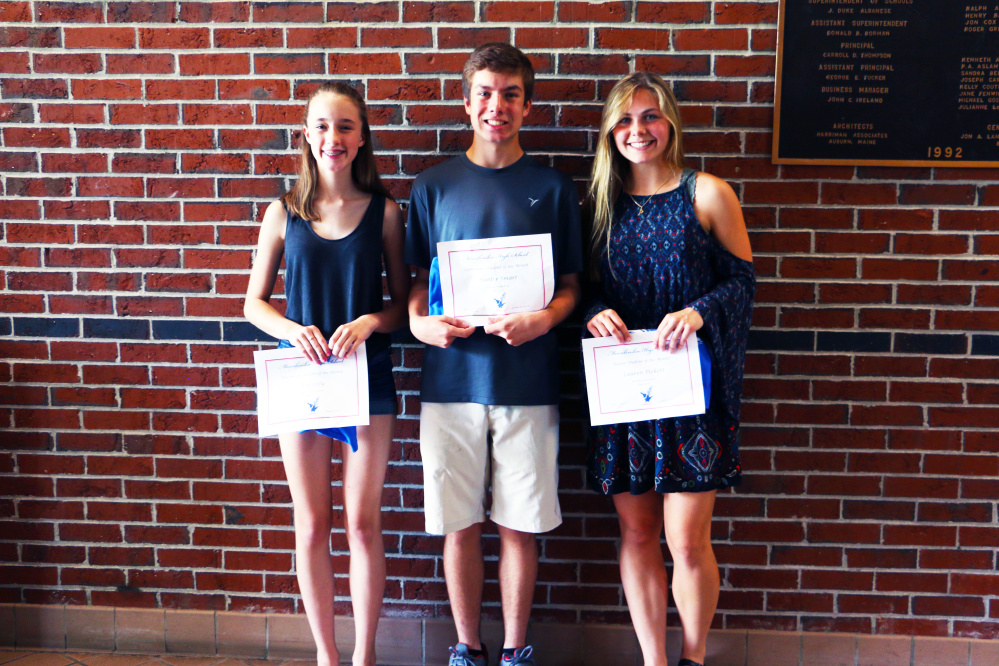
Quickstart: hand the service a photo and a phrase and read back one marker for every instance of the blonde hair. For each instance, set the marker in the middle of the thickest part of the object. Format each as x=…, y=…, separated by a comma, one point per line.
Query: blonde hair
x=610, y=168
x=300, y=198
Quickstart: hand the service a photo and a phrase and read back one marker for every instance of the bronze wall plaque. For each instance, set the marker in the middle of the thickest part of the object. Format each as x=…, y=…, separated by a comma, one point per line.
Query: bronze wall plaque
x=888, y=82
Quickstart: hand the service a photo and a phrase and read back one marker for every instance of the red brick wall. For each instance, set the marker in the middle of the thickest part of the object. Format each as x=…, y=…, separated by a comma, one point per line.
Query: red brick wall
x=141, y=142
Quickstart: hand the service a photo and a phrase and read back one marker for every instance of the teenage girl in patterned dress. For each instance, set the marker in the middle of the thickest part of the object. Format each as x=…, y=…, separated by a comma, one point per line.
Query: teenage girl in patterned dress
x=671, y=253
x=335, y=228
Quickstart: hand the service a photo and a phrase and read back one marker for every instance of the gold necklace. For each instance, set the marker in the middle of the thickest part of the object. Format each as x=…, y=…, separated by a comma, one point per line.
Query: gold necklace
x=641, y=206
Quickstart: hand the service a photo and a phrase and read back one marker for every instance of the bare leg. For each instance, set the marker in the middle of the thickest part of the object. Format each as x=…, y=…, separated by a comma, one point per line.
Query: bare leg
x=306, y=459
x=518, y=574
x=363, y=479
x=463, y=572
x=695, y=569
x=643, y=572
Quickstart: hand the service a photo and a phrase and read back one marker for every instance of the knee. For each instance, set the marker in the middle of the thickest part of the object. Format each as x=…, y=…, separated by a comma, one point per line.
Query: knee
x=639, y=531
x=691, y=552
x=363, y=529
x=515, y=541
x=469, y=538
x=312, y=528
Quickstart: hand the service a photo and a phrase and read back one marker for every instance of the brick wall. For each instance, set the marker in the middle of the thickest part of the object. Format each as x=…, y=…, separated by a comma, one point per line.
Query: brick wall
x=140, y=144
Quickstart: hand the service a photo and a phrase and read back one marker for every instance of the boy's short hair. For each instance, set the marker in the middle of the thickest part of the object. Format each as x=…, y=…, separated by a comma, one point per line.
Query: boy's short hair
x=498, y=57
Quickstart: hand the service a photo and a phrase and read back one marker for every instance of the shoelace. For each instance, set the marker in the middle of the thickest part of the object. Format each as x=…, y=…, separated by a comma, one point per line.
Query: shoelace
x=466, y=660
x=519, y=657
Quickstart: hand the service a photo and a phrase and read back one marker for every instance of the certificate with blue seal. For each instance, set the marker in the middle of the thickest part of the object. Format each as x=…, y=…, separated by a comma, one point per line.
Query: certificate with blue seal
x=295, y=394
x=491, y=277
x=634, y=381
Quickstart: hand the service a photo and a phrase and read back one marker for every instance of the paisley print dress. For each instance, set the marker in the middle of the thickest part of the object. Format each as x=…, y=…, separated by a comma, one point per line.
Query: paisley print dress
x=664, y=261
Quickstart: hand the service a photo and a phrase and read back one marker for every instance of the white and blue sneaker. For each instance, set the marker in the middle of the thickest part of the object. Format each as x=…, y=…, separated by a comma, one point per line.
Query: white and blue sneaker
x=460, y=656
x=520, y=657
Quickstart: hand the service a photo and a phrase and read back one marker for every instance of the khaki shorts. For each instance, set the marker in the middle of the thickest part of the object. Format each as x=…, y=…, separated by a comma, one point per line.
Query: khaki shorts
x=467, y=446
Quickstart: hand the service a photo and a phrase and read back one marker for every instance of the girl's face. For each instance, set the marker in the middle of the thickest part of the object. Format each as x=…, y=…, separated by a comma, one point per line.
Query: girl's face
x=642, y=135
x=333, y=131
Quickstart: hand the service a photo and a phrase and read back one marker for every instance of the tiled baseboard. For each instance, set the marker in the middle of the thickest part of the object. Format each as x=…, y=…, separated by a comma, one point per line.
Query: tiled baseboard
x=405, y=641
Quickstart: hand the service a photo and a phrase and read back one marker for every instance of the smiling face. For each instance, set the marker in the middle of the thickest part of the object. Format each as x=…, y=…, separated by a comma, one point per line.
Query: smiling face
x=496, y=106
x=333, y=130
x=642, y=134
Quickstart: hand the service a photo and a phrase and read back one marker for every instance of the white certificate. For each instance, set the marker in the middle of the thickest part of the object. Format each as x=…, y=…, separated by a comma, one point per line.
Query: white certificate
x=295, y=394
x=634, y=381
x=496, y=276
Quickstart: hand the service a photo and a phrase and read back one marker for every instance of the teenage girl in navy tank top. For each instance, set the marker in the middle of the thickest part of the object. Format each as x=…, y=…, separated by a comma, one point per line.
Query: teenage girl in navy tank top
x=334, y=229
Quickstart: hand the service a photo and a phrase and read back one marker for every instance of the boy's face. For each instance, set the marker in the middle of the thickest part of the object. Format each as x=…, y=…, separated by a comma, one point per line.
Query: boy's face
x=496, y=105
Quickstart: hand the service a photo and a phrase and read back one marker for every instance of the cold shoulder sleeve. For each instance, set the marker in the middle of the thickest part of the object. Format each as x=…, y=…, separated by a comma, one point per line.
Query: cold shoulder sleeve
x=727, y=310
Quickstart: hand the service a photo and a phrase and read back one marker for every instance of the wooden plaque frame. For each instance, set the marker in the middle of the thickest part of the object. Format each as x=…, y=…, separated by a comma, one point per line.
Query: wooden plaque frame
x=887, y=83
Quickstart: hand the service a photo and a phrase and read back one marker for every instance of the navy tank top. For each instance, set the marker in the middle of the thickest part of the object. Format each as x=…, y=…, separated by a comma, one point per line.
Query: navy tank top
x=331, y=282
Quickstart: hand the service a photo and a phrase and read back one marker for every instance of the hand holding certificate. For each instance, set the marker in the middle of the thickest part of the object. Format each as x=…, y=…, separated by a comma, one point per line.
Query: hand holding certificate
x=634, y=381
x=489, y=277
x=294, y=394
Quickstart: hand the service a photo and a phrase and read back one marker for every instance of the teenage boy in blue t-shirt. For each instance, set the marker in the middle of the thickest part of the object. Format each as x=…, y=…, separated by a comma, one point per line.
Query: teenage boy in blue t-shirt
x=490, y=394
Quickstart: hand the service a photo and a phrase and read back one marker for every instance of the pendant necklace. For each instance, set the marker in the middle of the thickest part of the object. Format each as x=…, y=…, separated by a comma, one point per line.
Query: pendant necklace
x=641, y=206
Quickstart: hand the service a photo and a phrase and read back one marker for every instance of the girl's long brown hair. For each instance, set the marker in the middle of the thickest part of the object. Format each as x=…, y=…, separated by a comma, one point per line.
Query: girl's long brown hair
x=610, y=168
x=300, y=198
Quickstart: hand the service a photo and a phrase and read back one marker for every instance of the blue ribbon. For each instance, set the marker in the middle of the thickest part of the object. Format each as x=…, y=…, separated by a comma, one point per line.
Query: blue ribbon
x=435, y=300
x=347, y=434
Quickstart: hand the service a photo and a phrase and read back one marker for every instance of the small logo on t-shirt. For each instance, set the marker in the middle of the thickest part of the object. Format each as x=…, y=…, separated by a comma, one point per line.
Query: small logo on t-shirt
x=533, y=201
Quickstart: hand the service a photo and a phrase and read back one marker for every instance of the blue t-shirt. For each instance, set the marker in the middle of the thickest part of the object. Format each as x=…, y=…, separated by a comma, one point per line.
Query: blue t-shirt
x=459, y=200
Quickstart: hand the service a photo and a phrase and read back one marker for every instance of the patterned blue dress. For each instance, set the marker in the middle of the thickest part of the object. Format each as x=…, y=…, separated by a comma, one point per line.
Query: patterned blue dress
x=663, y=261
